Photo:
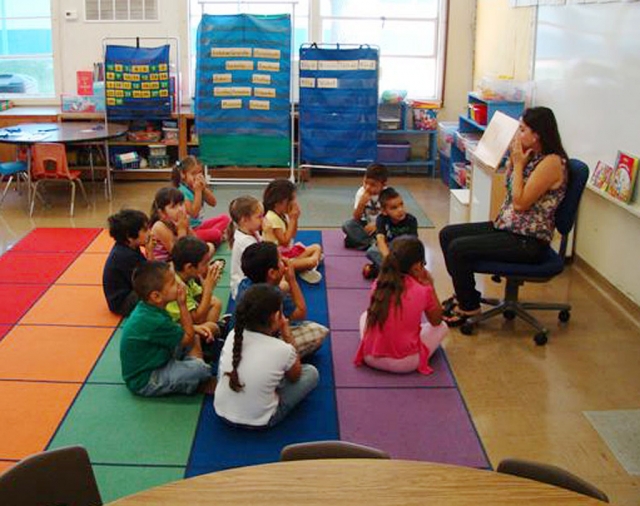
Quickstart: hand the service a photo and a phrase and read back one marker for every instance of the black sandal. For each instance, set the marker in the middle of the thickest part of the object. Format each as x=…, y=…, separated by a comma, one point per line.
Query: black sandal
x=454, y=318
x=449, y=305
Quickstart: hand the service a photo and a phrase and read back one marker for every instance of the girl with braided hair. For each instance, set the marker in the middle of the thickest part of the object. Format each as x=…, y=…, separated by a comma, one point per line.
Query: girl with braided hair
x=260, y=377
x=392, y=336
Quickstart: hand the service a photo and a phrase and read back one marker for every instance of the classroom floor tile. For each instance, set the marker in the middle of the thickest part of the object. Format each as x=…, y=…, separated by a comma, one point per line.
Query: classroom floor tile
x=117, y=427
x=16, y=299
x=101, y=244
x=115, y=482
x=40, y=268
x=86, y=270
x=55, y=240
x=72, y=305
x=108, y=370
x=31, y=415
x=51, y=353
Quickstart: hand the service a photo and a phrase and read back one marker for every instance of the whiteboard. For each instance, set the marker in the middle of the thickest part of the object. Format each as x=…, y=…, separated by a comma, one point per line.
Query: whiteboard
x=587, y=69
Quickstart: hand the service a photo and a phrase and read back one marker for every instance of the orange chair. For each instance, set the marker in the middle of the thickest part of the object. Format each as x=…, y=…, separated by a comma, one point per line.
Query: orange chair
x=41, y=170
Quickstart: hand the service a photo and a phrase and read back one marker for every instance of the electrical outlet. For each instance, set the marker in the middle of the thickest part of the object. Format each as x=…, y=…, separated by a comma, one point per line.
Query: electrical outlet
x=71, y=15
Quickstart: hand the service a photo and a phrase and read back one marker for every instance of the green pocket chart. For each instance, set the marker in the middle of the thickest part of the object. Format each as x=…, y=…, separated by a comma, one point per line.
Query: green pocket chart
x=242, y=103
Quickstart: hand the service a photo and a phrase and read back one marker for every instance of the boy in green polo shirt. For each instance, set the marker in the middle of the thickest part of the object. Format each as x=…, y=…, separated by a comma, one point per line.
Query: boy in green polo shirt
x=158, y=356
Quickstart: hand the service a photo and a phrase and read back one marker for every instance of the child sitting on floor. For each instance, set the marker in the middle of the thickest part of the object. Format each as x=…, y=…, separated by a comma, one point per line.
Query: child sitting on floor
x=169, y=221
x=188, y=176
x=261, y=263
x=191, y=258
x=392, y=222
x=158, y=356
x=281, y=225
x=130, y=230
x=392, y=336
x=360, y=228
x=260, y=377
x=247, y=215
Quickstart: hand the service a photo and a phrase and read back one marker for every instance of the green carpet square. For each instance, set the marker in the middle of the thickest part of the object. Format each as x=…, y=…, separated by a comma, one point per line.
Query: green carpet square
x=223, y=250
x=108, y=370
x=117, y=427
x=222, y=292
x=115, y=482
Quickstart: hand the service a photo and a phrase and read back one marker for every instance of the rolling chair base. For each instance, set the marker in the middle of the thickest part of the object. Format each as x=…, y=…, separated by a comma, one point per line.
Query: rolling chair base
x=510, y=307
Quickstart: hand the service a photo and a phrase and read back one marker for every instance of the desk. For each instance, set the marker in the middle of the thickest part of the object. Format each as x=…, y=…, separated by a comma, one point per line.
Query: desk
x=354, y=481
x=64, y=133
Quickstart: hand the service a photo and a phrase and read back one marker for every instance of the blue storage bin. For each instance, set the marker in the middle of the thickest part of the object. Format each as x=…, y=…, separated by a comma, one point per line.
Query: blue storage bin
x=394, y=153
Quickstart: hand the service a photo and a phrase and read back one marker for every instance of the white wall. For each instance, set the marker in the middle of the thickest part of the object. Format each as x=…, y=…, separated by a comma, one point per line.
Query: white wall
x=79, y=43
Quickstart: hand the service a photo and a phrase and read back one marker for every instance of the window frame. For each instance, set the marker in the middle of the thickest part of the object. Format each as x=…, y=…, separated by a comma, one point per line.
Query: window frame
x=57, y=71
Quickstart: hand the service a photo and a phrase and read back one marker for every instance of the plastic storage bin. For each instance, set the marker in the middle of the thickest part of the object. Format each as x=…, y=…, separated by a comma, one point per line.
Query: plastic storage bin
x=394, y=153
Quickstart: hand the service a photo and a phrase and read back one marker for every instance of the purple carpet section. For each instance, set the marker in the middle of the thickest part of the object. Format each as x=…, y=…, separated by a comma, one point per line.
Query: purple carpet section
x=333, y=244
x=411, y=416
x=346, y=375
x=414, y=424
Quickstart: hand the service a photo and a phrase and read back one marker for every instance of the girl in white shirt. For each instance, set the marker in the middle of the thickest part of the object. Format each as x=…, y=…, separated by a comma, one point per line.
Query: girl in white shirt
x=260, y=377
x=247, y=215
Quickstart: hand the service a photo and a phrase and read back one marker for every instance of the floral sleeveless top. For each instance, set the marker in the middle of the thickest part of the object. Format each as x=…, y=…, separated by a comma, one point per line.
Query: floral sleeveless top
x=539, y=220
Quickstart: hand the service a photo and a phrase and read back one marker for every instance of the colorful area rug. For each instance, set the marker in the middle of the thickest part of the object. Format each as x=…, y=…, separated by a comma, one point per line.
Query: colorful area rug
x=60, y=380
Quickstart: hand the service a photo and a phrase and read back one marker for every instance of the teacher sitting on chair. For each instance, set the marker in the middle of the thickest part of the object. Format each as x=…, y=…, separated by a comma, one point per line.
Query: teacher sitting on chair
x=536, y=181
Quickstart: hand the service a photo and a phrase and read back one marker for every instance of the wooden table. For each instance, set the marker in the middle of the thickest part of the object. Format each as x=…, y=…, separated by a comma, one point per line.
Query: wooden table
x=354, y=481
x=65, y=133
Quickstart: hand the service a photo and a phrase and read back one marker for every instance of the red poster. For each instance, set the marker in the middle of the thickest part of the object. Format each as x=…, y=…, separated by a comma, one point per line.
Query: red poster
x=85, y=82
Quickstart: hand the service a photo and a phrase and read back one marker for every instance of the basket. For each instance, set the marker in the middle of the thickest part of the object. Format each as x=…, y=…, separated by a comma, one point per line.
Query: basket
x=127, y=160
x=144, y=136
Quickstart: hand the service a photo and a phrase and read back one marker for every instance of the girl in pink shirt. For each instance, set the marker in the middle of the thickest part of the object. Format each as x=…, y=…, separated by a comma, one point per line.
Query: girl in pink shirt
x=393, y=337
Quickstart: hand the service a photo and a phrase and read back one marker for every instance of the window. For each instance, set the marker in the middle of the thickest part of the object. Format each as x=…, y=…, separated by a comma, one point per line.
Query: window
x=121, y=10
x=26, y=54
x=409, y=33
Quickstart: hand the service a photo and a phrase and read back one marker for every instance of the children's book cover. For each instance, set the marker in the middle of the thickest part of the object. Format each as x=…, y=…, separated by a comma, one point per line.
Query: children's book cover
x=602, y=175
x=623, y=177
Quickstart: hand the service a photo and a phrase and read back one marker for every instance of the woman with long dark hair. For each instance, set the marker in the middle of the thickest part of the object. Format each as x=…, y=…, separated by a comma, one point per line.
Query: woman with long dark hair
x=536, y=183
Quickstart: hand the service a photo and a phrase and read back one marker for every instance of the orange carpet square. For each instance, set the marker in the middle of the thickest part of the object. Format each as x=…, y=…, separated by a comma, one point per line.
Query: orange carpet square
x=16, y=299
x=51, y=353
x=72, y=305
x=101, y=244
x=33, y=267
x=31, y=415
x=3, y=330
x=86, y=270
x=6, y=465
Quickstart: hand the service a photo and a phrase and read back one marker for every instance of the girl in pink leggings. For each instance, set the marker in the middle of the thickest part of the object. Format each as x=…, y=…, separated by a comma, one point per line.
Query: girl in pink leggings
x=188, y=177
x=393, y=337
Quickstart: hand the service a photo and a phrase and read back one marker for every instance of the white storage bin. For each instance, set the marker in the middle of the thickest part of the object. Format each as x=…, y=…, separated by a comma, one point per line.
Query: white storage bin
x=459, y=206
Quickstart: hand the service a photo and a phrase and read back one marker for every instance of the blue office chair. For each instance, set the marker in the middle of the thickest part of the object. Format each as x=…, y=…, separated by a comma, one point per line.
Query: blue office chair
x=17, y=170
x=552, y=265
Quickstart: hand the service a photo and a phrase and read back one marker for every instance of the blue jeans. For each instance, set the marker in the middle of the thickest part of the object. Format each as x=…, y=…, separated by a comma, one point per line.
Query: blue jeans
x=357, y=237
x=373, y=254
x=177, y=377
x=291, y=394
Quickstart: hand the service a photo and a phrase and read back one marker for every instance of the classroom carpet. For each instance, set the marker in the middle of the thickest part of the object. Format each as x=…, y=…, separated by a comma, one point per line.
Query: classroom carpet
x=620, y=430
x=320, y=206
x=60, y=380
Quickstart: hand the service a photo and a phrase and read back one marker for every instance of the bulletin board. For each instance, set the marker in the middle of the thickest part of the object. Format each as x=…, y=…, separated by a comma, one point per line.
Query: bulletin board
x=137, y=83
x=338, y=105
x=243, y=74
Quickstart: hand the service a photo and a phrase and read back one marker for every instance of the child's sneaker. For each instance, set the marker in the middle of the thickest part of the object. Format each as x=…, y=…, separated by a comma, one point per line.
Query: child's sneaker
x=370, y=271
x=312, y=276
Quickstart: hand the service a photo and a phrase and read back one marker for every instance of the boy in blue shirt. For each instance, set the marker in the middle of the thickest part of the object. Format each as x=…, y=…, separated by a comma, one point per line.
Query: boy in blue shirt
x=261, y=263
x=130, y=229
x=158, y=356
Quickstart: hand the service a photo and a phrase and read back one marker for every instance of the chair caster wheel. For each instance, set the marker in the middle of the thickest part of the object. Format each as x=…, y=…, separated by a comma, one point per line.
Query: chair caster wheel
x=564, y=316
x=509, y=314
x=466, y=329
x=541, y=338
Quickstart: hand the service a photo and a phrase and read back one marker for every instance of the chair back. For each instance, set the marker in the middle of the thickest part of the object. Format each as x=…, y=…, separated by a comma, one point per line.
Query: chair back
x=51, y=478
x=49, y=152
x=578, y=173
x=552, y=475
x=330, y=450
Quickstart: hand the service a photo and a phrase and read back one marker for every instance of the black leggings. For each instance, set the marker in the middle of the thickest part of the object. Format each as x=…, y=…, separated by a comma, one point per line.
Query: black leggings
x=465, y=243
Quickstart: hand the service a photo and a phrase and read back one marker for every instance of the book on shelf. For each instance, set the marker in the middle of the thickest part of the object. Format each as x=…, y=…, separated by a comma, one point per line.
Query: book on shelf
x=623, y=178
x=601, y=175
